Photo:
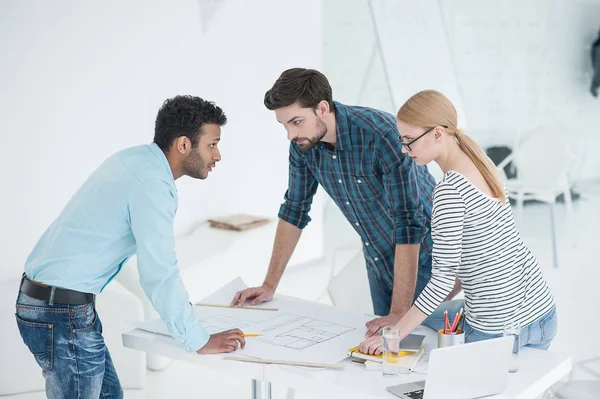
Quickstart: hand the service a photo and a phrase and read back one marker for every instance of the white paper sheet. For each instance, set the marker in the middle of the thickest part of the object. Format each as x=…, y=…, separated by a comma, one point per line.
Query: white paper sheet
x=299, y=330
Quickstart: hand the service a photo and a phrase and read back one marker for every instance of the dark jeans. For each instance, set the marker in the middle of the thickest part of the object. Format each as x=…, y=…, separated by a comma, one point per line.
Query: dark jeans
x=381, y=292
x=67, y=343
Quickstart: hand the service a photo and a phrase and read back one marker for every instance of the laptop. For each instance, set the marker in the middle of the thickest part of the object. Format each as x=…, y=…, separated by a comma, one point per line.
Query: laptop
x=464, y=371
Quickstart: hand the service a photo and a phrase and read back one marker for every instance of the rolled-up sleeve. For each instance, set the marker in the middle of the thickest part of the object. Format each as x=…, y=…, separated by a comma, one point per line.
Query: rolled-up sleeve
x=302, y=187
x=152, y=207
x=401, y=187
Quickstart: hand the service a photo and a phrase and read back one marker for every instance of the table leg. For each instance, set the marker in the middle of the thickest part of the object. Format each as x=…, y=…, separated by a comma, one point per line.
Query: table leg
x=261, y=389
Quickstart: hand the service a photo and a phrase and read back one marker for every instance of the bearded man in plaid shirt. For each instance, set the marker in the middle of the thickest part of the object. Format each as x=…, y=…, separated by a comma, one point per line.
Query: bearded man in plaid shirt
x=355, y=154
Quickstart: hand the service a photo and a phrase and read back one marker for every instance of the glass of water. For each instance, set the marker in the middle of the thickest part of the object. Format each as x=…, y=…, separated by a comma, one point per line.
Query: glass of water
x=391, y=349
x=513, y=329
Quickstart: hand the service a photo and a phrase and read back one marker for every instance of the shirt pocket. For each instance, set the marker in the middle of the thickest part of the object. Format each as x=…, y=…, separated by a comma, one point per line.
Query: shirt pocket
x=39, y=338
x=365, y=188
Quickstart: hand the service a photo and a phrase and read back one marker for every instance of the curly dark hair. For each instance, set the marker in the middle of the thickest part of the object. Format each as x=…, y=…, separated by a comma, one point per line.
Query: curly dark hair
x=307, y=87
x=184, y=116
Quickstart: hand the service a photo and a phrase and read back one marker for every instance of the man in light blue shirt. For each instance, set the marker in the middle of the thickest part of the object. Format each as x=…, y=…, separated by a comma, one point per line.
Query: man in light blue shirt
x=126, y=207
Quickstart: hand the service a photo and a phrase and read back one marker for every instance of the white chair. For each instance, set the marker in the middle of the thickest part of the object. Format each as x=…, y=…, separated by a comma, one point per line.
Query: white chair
x=339, y=237
x=543, y=160
x=117, y=308
x=349, y=288
x=583, y=382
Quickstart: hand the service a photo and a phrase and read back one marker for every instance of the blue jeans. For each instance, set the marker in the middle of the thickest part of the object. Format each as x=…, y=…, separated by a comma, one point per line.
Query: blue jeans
x=67, y=343
x=537, y=334
x=381, y=292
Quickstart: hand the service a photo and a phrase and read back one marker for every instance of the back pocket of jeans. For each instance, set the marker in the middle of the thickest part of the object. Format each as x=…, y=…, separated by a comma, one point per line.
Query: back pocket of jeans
x=39, y=339
x=549, y=326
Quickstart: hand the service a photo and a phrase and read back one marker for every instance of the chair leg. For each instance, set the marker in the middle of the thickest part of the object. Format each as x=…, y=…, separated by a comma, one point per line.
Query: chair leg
x=553, y=234
x=519, y=204
x=568, y=199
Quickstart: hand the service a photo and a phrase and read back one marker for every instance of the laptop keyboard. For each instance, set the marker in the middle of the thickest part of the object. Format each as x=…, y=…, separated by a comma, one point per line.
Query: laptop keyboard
x=415, y=394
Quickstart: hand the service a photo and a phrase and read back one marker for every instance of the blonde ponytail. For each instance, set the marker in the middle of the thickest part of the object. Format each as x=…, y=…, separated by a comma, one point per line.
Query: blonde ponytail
x=431, y=108
x=484, y=164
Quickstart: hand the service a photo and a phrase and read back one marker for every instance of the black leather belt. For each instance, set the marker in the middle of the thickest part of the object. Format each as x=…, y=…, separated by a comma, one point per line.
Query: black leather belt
x=55, y=295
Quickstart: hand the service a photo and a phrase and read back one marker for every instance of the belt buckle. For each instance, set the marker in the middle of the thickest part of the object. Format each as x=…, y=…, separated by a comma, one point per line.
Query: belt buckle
x=51, y=300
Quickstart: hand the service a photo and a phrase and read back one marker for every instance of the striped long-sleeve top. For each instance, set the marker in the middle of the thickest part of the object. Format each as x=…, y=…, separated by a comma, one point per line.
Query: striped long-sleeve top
x=475, y=238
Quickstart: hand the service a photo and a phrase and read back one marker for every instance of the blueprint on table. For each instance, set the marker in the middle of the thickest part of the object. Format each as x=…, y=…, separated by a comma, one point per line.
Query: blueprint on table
x=299, y=330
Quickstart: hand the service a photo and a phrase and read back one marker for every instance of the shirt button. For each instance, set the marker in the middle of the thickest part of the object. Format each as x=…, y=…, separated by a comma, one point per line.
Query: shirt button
x=357, y=223
x=347, y=203
x=339, y=181
x=182, y=340
x=334, y=157
x=359, y=181
x=376, y=259
x=366, y=244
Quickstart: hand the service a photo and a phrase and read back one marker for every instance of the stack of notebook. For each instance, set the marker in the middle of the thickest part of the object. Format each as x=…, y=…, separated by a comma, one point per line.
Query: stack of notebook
x=238, y=222
x=411, y=350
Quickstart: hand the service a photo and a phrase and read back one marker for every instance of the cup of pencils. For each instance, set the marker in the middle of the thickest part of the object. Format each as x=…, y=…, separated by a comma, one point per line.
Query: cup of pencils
x=452, y=333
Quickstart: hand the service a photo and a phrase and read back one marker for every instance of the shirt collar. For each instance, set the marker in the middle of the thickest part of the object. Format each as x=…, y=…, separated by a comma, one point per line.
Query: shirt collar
x=155, y=149
x=342, y=127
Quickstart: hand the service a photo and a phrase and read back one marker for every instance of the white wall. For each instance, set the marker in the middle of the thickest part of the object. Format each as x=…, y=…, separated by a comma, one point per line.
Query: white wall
x=81, y=80
x=522, y=64
x=425, y=59
x=349, y=43
x=518, y=64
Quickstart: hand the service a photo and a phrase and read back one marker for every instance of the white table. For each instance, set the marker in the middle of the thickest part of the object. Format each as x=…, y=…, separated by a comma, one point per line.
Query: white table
x=165, y=346
x=538, y=370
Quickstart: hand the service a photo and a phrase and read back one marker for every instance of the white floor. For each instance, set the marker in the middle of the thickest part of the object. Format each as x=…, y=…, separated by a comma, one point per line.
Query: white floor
x=575, y=285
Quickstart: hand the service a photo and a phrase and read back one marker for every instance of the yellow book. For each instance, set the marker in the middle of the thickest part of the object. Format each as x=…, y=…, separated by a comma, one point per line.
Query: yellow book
x=406, y=361
x=354, y=352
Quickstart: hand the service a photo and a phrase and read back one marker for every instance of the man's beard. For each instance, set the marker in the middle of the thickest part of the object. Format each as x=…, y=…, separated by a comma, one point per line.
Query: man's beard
x=194, y=166
x=312, y=142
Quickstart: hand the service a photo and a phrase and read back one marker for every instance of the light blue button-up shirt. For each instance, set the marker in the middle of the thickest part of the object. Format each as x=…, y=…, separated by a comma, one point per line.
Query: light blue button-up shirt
x=126, y=206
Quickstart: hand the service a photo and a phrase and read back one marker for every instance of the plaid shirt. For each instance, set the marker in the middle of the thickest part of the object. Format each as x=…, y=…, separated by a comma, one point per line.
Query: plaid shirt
x=381, y=191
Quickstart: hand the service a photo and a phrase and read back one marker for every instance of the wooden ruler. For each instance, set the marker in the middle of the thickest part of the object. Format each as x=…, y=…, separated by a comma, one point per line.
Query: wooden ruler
x=213, y=305
x=336, y=366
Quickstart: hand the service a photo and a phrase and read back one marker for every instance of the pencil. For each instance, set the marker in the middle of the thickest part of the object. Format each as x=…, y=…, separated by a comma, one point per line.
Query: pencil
x=250, y=335
x=445, y=321
x=453, y=325
x=456, y=320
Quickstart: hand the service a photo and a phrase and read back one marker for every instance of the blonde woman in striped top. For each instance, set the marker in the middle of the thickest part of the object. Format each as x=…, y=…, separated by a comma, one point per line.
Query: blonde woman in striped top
x=476, y=245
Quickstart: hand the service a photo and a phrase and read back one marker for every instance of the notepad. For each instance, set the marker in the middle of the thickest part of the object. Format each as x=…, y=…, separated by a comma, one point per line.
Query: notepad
x=412, y=343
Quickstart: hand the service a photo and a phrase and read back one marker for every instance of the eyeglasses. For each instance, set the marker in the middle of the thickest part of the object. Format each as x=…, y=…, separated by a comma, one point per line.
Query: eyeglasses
x=407, y=145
